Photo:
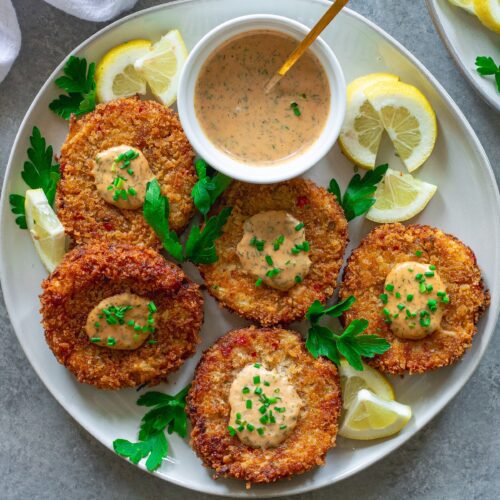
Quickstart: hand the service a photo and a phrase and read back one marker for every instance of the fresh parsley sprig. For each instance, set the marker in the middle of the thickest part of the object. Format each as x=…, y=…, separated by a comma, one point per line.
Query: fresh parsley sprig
x=79, y=83
x=167, y=413
x=200, y=243
x=352, y=344
x=358, y=198
x=38, y=172
x=208, y=188
x=486, y=66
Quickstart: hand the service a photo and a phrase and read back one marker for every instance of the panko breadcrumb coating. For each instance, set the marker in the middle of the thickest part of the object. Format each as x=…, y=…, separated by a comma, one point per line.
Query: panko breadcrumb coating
x=315, y=380
x=364, y=277
x=87, y=275
x=146, y=125
x=325, y=229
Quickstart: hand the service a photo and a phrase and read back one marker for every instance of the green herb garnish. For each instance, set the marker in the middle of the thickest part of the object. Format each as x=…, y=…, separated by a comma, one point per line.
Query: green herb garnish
x=486, y=66
x=358, y=198
x=38, y=172
x=207, y=189
x=352, y=344
x=167, y=413
x=295, y=109
x=79, y=83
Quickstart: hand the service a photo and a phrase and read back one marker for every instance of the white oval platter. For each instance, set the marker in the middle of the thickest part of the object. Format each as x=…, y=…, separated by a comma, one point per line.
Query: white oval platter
x=466, y=38
x=467, y=205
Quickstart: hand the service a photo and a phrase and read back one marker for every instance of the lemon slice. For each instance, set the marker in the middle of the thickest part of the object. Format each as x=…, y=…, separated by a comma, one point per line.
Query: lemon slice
x=352, y=381
x=408, y=118
x=161, y=66
x=371, y=417
x=362, y=130
x=45, y=228
x=399, y=197
x=467, y=5
x=488, y=12
x=116, y=76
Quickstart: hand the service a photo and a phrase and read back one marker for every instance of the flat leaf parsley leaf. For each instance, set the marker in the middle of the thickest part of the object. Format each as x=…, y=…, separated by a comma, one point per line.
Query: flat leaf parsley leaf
x=358, y=198
x=79, y=83
x=200, y=243
x=168, y=414
x=352, y=343
x=156, y=212
x=38, y=172
x=208, y=188
x=486, y=66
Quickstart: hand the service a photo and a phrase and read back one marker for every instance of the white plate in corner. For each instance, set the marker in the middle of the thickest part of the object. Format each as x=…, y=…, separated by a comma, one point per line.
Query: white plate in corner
x=361, y=48
x=466, y=38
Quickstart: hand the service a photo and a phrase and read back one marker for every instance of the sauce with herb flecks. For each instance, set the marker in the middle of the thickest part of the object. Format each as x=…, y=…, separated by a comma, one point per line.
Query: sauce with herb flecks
x=121, y=175
x=414, y=300
x=241, y=119
x=274, y=249
x=124, y=321
x=265, y=407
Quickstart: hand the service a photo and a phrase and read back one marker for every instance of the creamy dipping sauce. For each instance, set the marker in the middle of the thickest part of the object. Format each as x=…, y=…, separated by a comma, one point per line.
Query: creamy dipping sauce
x=123, y=321
x=121, y=175
x=274, y=249
x=264, y=407
x=241, y=119
x=414, y=300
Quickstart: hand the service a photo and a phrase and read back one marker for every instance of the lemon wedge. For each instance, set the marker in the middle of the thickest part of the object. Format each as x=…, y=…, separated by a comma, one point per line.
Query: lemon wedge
x=488, y=12
x=371, y=417
x=352, y=381
x=115, y=74
x=399, y=197
x=467, y=5
x=45, y=229
x=408, y=118
x=161, y=66
x=360, y=136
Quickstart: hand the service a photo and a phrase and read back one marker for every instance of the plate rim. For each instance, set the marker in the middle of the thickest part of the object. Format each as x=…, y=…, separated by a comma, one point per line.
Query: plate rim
x=436, y=20
x=475, y=144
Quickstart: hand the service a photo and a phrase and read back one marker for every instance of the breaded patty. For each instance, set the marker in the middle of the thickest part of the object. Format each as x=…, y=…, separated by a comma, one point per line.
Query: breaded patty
x=315, y=380
x=87, y=275
x=146, y=125
x=364, y=277
x=325, y=229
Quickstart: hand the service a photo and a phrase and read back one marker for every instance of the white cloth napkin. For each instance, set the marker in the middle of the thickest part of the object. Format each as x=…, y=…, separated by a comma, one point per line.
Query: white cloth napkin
x=90, y=10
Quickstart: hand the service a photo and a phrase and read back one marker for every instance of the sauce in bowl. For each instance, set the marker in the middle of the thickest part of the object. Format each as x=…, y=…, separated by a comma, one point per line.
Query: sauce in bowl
x=240, y=119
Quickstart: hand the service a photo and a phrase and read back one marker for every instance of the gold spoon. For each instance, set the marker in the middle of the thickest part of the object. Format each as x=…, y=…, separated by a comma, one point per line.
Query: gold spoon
x=304, y=44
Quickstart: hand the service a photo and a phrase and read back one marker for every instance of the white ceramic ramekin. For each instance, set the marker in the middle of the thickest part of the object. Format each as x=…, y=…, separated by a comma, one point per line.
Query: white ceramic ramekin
x=248, y=172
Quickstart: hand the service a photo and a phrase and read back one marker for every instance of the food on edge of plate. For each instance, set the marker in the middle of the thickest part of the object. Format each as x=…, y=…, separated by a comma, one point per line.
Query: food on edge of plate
x=487, y=11
x=245, y=122
x=399, y=197
x=45, y=229
x=361, y=133
x=381, y=100
x=152, y=141
x=161, y=66
x=115, y=75
x=419, y=288
x=255, y=251
x=261, y=407
x=120, y=315
x=467, y=5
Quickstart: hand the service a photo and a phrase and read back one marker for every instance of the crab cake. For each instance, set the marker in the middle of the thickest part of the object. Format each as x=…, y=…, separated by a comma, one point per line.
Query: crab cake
x=261, y=407
x=281, y=250
x=120, y=315
x=152, y=137
x=419, y=288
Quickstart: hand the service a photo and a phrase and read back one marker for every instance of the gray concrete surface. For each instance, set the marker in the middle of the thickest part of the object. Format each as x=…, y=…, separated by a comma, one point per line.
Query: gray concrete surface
x=45, y=454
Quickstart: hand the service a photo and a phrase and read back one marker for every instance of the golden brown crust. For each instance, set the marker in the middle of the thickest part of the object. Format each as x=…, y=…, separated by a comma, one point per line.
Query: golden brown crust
x=87, y=275
x=146, y=125
x=325, y=229
x=364, y=277
x=315, y=380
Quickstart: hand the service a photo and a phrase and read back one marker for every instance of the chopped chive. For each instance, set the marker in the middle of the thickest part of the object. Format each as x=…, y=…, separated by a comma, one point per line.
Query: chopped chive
x=111, y=341
x=97, y=324
x=152, y=307
x=258, y=282
x=131, y=191
x=260, y=430
x=95, y=339
x=422, y=288
x=264, y=419
x=298, y=279
x=250, y=427
x=256, y=379
x=429, y=274
x=269, y=260
x=299, y=226
x=441, y=294
x=418, y=276
x=432, y=267
x=263, y=409
x=258, y=390
x=409, y=297
x=429, y=288
x=401, y=307
x=384, y=298
x=445, y=300
x=389, y=287
x=282, y=427
x=386, y=311
x=248, y=404
x=241, y=428
x=266, y=383
x=418, y=253
x=295, y=109
x=257, y=365
x=397, y=295
x=232, y=430
x=245, y=390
